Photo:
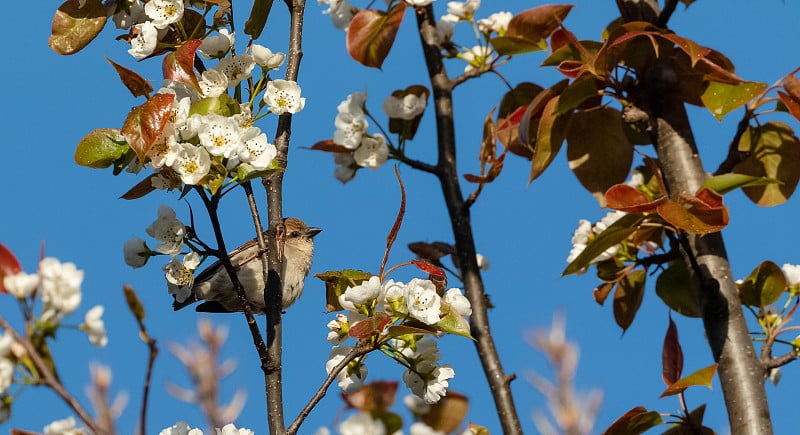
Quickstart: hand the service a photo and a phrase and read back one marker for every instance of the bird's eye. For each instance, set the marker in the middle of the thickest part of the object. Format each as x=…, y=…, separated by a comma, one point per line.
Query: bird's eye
x=294, y=234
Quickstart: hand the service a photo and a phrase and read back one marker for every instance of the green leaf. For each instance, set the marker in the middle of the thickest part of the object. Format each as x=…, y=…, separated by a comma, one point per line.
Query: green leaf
x=628, y=298
x=100, y=148
x=675, y=287
x=764, y=286
x=550, y=136
x=223, y=105
x=774, y=154
x=725, y=183
x=258, y=18
x=371, y=34
x=74, y=27
x=702, y=377
x=634, y=422
x=511, y=46
x=616, y=233
x=598, y=150
x=722, y=98
x=575, y=94
x=453, y=323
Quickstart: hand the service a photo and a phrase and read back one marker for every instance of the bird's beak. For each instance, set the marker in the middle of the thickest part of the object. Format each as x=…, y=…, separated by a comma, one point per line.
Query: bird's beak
x=312, y=231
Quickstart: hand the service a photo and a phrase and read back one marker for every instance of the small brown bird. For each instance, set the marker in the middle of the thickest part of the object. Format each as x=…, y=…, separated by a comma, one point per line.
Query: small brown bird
x=214, y=285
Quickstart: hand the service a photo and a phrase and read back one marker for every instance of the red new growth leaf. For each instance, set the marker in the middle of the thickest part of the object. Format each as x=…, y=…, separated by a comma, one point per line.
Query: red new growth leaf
x=146, y=122
x=135, y=83
x=9, y=265
x=329, y=147
x=628, y=199
x=370, y=325
x=75, y=25
x=371, y=34
x=377, y=396
x=700, y=214
x=429, y=268
x=179, y=66
x=671, y=356
x=537, y=23
x=792, y=105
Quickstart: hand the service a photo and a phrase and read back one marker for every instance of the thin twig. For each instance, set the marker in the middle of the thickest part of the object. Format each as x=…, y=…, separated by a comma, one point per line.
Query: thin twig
x=666, y=13
x=734, y=155
x=51, y=381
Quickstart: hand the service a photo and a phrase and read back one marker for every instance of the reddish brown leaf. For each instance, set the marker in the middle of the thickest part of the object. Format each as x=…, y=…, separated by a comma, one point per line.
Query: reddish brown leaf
x=141, y=188
x=537, y=23
x=549, y=138
x=508, y=133
x=691, y=48
x=370, y=326
x=9, y=265
x=628, y=199
x=179, y=66
x=792, y=86
x=571, y=68
x=329, y=146
x=447, y=414
x=671, y=356
x=634, y=422
x=146, y=122
x=429, y=268
x=628, y=298
x=135, y=83
x=375, y=396
x=371, y=34
x=74, y=27
x=431, y=252
x=792, y=105
x=700, y=214
x=601, y=292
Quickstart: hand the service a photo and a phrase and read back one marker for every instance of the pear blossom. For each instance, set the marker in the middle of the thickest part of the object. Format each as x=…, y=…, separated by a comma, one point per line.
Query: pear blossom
x=180, y=428
x=580, y=239
x=136, y=252
x=392, y=296
x=144, y=41
x=362, y=423
x=256, y=149
x=60, y=287
x=350, y=129
x=341, y=12
x=264, y=57
x=607, y=221
x=483, y=262
x=338, y=329
x=458, y=302
x=419, y=3
x=21, y=284
x=283, y=96
x=134, y=14
x=463, y=10
x=192, y=163
x=422, y=300
x=478, y=58
x=162, y=13
x=230, y=429
x=181, y=91
x=430, y=386
x=213, y=83
x=420, y=428
x=180, y=276
x=364, y=293
x=95, y=327
x=416, y=405
x=354, y=103
x=332, y=5
x=167, y=229
x=445, y=29
x=180, y=112
x=792, y=272
x=351, y=378
x=372, y=153
x=346, y=169
x=165, y=149
x=6, y=374
x=407, y=107
x=220, y=135
x=497, y=22
x=63, y=427
x=236, y=68
x=217, y=46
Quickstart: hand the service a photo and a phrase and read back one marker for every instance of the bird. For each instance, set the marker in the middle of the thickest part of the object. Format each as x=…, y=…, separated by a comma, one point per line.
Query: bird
x=213, y=285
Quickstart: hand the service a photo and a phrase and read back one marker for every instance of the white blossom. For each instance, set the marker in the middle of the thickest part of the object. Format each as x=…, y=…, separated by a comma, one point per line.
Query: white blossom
x=21, y=284
x=354, y=103
x=416, y=405
x=124, y=19
x=164, y=12
x=408, y=107
x=236, y=68
x=63, y=427
x=220, y=135
x=283, y=96
x=60, y=287
x=392, y=296
x=264, y=57
x=342, y=15
x=351, y=378
x=350, y=129
x=792, y=272
x=338, y=329
x=345, y=171
x=362, y=423
x=167, y=228
x=419, y=3
x=144, y=41
x=180, y=90
x=458, y=302
x=463, y=10
x=478, y=58
x=420, y=428
x=364, y=293
x=497, y=23
x=95, y=327
x=230, y=429
x=607, y=221
x=423, y=302
x=372, y=153
x=445, y=29
x=217, y=46
x=192, y=163
x=433, y=386
x=213, y=83
x=180, y=276
x=180, y=428
x=165, y=149
x=6, y=374
x=483, y=262
x=256, y=149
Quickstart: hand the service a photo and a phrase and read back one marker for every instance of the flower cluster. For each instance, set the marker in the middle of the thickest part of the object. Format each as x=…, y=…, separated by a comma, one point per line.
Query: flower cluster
x=363, y=150
x=586, y=232
x=171, y=232
x=388, y=304
x=183, y=428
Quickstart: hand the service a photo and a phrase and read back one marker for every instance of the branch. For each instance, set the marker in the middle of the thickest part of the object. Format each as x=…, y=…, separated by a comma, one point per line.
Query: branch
x=499, y=381
x=51, y=381
x=666, y=13
x=725, y=325
x=352, y=355
x=734, y=155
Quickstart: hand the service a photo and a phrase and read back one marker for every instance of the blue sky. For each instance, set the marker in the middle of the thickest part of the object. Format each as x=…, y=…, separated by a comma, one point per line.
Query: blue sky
x=525, y=231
